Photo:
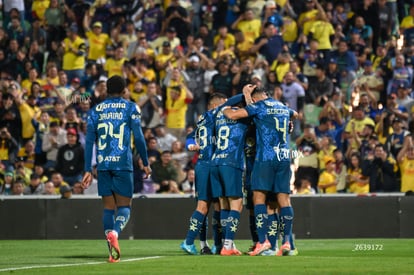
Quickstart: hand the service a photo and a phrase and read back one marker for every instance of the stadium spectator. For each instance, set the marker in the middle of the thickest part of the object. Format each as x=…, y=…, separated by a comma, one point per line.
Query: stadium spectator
x=69, y=160
x=52, y=141
x=308, y=165
x=35, y=187
x=18, y=187
x=381, y=168
x=49, y=189
x=8, y=148
x=269, y=44
x=164, y=173
x=328, y=179
x=74, y=53
x=7, y=183
x=357, y=183
x=405, y=159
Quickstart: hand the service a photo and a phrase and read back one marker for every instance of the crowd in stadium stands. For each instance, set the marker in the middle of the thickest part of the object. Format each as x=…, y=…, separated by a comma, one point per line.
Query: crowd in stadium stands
x=345, y=66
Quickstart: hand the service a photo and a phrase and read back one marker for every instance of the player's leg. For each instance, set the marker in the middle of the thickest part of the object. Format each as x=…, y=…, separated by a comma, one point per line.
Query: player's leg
x=196, y=222
x=204, y=247
x=217, y=230
x=198, y=216
x=286, y=219
x=122, y=188
x=273, y=225
x=282, y=188
x=109, y=206
x=234, y=194
x=262, y=178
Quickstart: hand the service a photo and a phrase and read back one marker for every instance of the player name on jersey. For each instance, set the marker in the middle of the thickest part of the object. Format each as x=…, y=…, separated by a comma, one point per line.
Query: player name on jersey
x=113, y=115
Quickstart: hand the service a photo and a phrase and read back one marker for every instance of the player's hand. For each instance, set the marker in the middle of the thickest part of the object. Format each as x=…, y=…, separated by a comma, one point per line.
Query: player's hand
x=291, y=126
x=87, y=179
x=147, y=171
x=193, y=147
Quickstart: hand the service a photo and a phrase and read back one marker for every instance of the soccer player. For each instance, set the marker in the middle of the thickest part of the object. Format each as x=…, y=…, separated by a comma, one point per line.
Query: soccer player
x=271, y=171
x=203, y=142
x=110, y=124
x=229, y=159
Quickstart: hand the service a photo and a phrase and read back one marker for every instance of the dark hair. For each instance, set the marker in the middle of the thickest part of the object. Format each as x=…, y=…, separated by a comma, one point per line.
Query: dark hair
x=115, y=84
x=216, y=96
x=259, y=90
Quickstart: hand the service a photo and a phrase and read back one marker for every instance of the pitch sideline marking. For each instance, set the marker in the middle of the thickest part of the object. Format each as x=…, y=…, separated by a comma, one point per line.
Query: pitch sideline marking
x=75, y=264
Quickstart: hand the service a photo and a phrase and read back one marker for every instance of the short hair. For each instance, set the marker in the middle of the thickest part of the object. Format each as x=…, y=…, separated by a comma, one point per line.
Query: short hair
x=259, y=90
x=323, y=120
x=216, y=96
x=115, y=84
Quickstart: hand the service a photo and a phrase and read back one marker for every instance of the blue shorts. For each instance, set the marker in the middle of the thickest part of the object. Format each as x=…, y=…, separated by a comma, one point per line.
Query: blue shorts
x=227, y=182
x=272, y=176
x=203, y=186
x=115, y=182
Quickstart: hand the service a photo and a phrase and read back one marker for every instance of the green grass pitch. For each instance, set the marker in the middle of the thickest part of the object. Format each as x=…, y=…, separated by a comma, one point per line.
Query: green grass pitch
x=340, y=256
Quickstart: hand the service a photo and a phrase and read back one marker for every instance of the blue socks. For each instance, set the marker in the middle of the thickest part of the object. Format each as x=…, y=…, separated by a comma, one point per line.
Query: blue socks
x=217, y=229
x=122, y=218
x=108, y=220
x=196, y=221
x=273, y=231
x=286, y=218
x=260, y=212
x=232, y=224
x=252, y=226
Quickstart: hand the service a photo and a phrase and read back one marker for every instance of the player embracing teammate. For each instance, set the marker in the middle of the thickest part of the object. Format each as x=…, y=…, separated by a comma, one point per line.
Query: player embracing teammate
x=270, y=175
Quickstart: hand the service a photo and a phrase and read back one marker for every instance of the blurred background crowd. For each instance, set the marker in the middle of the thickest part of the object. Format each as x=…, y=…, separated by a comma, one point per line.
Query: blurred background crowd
x=345, y=66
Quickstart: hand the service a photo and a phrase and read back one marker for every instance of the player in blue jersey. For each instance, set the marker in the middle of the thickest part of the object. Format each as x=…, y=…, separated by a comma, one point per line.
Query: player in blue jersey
x=229, y=159
x=109, y=126
x=203, y=141
x=271, y=171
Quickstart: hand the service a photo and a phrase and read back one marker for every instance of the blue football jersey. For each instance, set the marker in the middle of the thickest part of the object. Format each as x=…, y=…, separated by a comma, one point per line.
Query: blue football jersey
x=271, y=118
x=109, y=126
x=204, y=134
x=230, y=137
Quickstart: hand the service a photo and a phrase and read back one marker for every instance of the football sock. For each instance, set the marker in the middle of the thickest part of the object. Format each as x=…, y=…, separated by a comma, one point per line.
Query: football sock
x=216, y=228
x=292, y=244
x=260, y=212
x=108, y=220
x=252, y=226
x=203, y=232
x=196, y=221
x=231, y=228
x=122, y=218
x=224, y=215
x=272, y=233
x=286, y=218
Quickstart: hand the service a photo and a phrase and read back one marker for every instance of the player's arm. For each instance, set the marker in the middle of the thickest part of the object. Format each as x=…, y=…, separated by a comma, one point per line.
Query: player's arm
x=190, y=142
x=139, y=139
x=235, y=114
x=89, y=142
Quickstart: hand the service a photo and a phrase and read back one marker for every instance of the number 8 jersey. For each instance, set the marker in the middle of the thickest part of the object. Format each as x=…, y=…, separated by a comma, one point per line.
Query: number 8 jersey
x=109, y=126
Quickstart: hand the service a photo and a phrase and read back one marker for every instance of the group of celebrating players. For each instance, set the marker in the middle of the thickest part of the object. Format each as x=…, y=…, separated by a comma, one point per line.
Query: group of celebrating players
x=239, y=145
x=233, y=143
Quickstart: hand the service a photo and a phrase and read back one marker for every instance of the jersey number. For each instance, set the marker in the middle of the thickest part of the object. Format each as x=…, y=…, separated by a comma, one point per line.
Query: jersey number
x=108, y=130
x=283, y=129
x=223, y=137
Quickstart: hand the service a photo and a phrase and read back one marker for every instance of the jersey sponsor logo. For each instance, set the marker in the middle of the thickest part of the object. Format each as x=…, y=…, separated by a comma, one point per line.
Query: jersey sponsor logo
x=286, y=153
x=220, y=156
x=108, y=158
x=103, y=106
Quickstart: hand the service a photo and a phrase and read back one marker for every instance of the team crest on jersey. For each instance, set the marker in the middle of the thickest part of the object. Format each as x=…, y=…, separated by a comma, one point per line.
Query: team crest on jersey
x=201, y=117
